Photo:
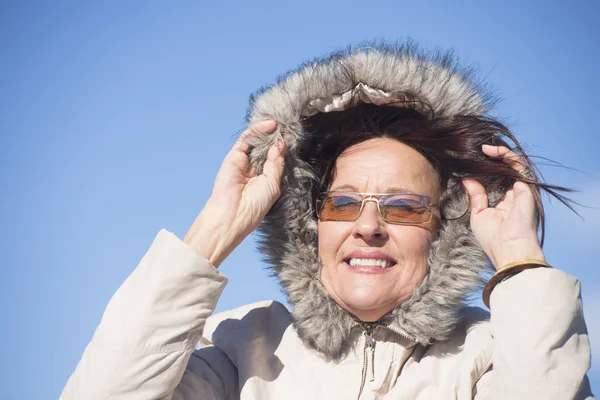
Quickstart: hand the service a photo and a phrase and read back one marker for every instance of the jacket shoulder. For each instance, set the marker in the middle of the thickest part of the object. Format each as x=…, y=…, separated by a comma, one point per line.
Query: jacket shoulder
x=241, y=322
x=474, y=318
x=474, y=328
x=477, y=340
x=471, y=338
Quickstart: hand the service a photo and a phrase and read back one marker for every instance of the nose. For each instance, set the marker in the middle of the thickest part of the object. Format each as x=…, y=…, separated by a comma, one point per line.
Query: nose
x=369, y=224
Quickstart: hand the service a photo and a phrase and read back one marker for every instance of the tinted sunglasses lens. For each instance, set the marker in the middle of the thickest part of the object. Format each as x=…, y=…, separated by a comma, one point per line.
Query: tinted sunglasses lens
x=407, y=209
x=340, y=207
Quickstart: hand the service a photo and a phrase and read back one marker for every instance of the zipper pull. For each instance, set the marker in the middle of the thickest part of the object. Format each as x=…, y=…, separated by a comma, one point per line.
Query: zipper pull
x=370, y=347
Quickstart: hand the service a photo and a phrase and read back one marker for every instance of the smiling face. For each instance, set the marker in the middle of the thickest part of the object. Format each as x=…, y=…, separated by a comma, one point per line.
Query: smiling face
x=349, y=250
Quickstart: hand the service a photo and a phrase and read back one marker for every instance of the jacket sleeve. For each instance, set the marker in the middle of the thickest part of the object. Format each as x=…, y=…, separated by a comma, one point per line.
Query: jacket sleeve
x=150, y=329
x=541, y=346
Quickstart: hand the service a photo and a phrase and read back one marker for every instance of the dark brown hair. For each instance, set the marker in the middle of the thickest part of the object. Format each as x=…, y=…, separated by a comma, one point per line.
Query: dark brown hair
x=451, y=144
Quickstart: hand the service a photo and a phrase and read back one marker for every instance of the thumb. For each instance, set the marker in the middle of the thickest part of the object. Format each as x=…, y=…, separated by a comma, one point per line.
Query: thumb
x=521, y=189
x=524, y=198
x=478, y=199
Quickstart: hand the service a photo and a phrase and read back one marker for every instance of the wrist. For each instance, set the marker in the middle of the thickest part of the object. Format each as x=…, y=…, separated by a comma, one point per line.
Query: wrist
x=209, y=236
x=516, y=253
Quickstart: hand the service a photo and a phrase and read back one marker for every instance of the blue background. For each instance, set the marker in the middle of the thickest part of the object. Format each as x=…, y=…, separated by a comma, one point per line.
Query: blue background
x=115, y=116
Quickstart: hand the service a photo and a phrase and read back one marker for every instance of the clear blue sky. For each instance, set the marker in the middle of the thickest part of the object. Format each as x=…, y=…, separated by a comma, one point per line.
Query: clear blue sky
x=114, y=118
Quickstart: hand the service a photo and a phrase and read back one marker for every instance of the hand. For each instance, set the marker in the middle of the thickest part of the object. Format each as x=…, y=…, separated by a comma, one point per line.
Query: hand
x=240, y=198
x=508, y=231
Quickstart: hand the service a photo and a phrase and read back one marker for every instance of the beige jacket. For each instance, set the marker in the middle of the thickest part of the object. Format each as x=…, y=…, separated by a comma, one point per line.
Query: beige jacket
x=534, y=346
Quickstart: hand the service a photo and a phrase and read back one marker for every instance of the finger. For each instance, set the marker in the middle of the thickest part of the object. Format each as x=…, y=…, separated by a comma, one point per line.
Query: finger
x=522, y=190
x=525, y=201
x=260, y=127
x=478, y=199
x=512, y=159
x=274, y=164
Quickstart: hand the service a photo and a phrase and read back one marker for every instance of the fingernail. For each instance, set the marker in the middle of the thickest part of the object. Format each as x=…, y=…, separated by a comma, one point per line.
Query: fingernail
x=281, y=145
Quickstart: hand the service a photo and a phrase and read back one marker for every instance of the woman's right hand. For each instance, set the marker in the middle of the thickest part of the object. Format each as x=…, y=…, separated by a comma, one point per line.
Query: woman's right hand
x=240, y=198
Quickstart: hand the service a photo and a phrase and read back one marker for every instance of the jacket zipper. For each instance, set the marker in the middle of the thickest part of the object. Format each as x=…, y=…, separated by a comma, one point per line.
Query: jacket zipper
x=369, y=353
x=401, y=333
x=368, y=359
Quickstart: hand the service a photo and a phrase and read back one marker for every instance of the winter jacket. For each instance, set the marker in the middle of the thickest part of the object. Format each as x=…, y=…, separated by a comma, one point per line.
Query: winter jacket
x=432, y=346
x=534, y=347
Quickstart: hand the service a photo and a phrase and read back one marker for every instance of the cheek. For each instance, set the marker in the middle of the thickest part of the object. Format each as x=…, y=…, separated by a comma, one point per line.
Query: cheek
x=412, y=244
x=331, y=236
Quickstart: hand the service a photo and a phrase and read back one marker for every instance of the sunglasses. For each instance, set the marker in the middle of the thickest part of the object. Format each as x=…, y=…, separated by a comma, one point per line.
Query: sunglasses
x=394, y=208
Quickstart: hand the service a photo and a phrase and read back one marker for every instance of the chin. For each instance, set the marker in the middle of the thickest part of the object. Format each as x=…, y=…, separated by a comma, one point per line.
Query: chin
x=367, y=310
x=368, y=301
x=369, y=315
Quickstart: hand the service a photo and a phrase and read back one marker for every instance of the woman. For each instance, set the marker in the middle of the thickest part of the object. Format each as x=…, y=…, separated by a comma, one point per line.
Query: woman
x=359, y=167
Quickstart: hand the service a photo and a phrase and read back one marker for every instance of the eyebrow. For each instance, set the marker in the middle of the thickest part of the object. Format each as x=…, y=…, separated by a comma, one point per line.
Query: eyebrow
x=351, y=188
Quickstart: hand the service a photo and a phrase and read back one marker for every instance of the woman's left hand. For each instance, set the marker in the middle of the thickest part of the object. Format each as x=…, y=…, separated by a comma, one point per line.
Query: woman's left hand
x=508, y=231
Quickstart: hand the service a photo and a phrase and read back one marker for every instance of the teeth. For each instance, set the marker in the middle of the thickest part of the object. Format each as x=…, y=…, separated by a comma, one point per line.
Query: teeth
x=370, y=262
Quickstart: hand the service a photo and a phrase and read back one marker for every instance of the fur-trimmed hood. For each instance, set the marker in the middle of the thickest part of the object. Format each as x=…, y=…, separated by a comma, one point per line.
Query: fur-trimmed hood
x=380, y=75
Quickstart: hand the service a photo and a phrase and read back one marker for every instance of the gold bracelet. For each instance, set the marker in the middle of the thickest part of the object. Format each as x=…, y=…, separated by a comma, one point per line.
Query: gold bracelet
x=507, y=271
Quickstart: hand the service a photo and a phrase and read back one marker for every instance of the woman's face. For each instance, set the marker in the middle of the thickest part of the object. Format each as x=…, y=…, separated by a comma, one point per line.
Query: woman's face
x=376, y=166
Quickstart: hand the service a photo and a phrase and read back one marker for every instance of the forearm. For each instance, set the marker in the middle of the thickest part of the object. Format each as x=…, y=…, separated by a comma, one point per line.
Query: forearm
x=150, y=326
x=540, y=337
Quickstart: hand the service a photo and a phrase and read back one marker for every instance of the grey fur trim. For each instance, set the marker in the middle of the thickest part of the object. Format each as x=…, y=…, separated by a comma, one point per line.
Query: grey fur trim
x=289, y=232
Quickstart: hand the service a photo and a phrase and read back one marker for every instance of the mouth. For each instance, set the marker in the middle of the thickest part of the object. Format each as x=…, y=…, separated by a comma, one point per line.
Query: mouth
x=369, y=262
x=363, y=259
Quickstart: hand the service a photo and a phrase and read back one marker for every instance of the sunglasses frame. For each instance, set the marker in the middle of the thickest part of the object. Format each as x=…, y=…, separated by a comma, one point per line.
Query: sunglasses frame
x=376, y=197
